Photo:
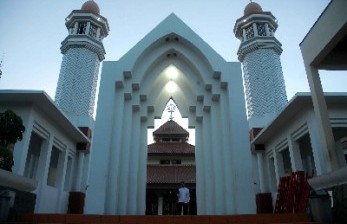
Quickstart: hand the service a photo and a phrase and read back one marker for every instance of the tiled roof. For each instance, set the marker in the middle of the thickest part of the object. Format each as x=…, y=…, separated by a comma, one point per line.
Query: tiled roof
x=171, y=128
x=171, y=148
x=157, y=174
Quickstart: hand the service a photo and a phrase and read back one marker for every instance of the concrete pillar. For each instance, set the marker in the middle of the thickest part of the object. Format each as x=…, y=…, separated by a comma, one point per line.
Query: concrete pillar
x=200, y=170
x=321, y=112
x=227, y=154
x=80, y=162
x=255, y=29
x=267, y=30
x=142, y=173
x=112, y=186
x=160, y=205
x=262, y=181
x=62, y=165
x=98, y=34
x=125, y=159
x=21, y=148
x=279, y=166
x=317, y=147
x=134, y=166
x=294, y=152
x=75, y=28
x=244, y=35
x=42, y=170
x=87, y=28
x=218, y=162
x=209, y=165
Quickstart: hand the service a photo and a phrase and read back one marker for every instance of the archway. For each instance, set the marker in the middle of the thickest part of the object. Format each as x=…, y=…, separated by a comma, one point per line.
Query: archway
x=209, y=92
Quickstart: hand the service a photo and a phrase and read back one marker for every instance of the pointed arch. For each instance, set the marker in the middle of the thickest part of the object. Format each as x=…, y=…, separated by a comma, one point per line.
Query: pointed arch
x=132, y=94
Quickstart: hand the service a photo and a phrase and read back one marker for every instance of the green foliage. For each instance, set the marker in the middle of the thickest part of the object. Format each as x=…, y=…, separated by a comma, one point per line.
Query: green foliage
x=6, y=158
x=11, y=128
x=11, y=131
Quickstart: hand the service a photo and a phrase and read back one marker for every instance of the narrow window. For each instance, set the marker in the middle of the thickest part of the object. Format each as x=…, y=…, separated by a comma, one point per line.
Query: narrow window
x=249, y=32
x=92, y=31
x=68, y=174
x=261, y=29
x=81, y=29
x=164, y=161
x=32, y=160
x=53, y=167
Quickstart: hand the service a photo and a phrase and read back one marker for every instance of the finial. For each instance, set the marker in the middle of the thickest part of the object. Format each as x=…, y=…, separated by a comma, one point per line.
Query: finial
x=171, y=108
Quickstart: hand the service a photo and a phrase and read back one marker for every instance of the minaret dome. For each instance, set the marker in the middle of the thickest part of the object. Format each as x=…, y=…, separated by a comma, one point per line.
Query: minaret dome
x=252, y=8
x=91, y=6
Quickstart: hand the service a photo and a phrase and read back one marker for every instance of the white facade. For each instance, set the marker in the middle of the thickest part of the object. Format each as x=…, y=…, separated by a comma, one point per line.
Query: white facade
x=47, y=152
x=135, y=90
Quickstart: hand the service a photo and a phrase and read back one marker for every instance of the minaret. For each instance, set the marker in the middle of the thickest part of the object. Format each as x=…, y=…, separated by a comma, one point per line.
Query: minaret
x=82, y=53
x=259, y=53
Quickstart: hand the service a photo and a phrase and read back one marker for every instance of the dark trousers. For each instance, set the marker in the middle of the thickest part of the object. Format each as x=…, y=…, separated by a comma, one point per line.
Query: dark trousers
x=183, y=206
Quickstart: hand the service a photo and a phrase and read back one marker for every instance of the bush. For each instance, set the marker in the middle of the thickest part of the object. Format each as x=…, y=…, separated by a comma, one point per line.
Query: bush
x=6, y=158
x=11, y=131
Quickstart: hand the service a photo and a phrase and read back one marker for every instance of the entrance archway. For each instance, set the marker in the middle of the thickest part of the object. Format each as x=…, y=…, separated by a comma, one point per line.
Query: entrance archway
x=209, y=91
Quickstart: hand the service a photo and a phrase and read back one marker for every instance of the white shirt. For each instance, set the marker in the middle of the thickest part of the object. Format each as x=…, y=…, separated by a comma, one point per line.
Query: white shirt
x=183, y=195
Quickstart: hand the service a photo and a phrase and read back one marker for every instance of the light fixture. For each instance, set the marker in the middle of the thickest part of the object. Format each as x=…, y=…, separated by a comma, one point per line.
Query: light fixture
x=171, y=86
x=171, y=72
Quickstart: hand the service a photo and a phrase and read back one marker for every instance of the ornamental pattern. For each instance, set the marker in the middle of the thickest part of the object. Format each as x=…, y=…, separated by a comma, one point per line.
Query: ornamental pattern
x=76, y=89
x=264, y=83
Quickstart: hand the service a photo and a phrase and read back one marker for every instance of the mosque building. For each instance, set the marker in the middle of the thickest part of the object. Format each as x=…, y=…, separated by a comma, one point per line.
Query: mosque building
x=247, y=134
x=171, y=160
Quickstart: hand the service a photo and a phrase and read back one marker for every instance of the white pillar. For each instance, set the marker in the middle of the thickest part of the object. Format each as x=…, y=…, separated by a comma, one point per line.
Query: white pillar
x=134, y=165
x=294, y=152
x=209, y=165
x=62, y=165
x=98, y=34
x=262, y=180
x=21, y=148
x=255, y=29
x=127, y=137
x=80, y=162
x=142, y=174
x=87, y=28
x=200, y=170
x=267, y=30
x=42, y=170
x=112, y=186
x=279, y=166
x=218, y=162
x=321, y=112
x=227, y=155
x=160, y=205
x=244, y=35
x=317, y=147
x=75, y=28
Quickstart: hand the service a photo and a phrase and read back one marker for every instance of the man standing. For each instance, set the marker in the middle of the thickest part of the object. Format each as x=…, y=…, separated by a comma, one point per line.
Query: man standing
x=183, y=199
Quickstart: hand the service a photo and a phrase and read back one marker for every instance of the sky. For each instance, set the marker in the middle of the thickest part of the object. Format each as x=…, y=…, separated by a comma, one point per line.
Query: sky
x=32, y=32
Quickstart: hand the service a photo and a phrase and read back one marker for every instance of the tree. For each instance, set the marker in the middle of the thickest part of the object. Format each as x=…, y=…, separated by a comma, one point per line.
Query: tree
x=11, y=131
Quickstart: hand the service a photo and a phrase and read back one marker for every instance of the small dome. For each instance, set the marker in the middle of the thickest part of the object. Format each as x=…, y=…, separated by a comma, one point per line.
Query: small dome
x=91, y=6
x=252, y=8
